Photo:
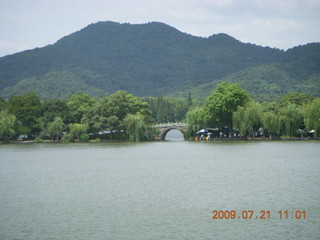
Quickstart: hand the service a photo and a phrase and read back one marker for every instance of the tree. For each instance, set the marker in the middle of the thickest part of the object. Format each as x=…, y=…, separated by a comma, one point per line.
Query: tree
x=239, y=122
x=3, y=104
x=195, y=121
x=55, y=108
x=27, y=109
x=136, y=128
x=312, y=116
x=248, y=119
x=292, y=119
x=271, y=123
x=7, y=125
x=122, y=103
x=296, y=98
x=55, y=128
x=114, y=124
x=76, y=129
x=189, y=101
x=221, y=104
x=79, y=103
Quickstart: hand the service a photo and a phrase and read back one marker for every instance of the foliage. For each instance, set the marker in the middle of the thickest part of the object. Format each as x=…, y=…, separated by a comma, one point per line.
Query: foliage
x=136, y=128
x=166, y=109
x=122, y=103
x=109, y=112
x=84, y=137
x=312, y=116
x=296, y=98
x=7, y=125
x=67, y=138
x=267, y=82
x=248, y=119
x=292, y=119
x=76, y=129
x=127, y=116
x=222, y=102
x=55, y=128
x=38, y=140
x=271, y=123
x=155, y=59
x=3, y=104
x=27, y=109
x=55, y=108
x=194, y=120
x=78, y=104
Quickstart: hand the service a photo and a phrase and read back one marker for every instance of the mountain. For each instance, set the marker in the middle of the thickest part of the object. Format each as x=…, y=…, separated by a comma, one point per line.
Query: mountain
x=156, y=59
x=297, y=70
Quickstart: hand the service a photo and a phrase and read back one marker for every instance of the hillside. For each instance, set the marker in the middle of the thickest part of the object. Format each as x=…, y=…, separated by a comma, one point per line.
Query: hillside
x=296, y=71
x=156, y=59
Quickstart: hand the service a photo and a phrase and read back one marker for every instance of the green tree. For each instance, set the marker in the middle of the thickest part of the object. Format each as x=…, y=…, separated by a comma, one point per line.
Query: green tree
x=78, y=104
x=55, y=128
x=239, y=122
x=292, y=119
x=271, y=124
x=296, y=98
x=114, y=124
x=28, y=110
x=189, y=101
x=55, y=108
x=312, y=116
x=76, y=129
x=248, y=119
x=195, y=121
x=221, y=104
x=122, y=103
x=136, y=128
x=7, y=125
x=3, y=104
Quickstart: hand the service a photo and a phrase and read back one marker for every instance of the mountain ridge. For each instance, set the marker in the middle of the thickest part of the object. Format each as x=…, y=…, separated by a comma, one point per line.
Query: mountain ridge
x=147, y=60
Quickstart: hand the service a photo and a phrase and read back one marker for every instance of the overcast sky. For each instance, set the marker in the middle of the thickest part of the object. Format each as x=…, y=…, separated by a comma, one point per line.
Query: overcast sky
x=26, y=24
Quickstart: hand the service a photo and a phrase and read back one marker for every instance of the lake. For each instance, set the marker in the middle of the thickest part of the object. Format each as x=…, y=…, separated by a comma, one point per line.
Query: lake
x=160, y=190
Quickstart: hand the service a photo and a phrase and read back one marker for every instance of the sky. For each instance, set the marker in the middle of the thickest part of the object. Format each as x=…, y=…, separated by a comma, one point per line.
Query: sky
x=283, y=24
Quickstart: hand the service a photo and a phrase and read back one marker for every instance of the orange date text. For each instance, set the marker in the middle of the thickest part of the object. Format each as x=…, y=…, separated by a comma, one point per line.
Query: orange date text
x=262, y=214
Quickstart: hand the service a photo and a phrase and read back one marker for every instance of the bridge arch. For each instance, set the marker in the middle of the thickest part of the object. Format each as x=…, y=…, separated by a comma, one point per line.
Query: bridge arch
x=165, y=132
x=165, y=128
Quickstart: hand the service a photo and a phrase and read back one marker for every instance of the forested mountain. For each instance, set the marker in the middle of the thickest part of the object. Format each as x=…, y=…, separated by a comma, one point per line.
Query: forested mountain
x=155, y=59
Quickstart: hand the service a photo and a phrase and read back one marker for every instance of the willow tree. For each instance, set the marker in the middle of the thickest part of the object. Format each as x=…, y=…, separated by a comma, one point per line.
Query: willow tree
x=222, y=102
x=195, y=120
x=7, y=125
x=136, y=127
x=248, y=119
x=312, y=116
x=292, y=119
x=55, y=128
x=271, y=123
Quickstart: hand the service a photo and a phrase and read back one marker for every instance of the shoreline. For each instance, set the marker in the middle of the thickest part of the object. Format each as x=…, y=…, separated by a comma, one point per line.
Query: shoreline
x=212, y=140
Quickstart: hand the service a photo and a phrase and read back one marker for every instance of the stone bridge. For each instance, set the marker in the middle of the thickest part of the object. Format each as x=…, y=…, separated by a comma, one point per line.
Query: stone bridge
x=164, y=128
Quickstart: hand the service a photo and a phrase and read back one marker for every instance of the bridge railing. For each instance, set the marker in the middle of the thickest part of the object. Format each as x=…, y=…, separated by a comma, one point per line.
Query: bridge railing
x=165, y=125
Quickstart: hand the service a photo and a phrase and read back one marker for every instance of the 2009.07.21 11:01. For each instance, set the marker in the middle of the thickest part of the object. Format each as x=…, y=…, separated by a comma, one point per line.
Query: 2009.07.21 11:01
x=250, y=214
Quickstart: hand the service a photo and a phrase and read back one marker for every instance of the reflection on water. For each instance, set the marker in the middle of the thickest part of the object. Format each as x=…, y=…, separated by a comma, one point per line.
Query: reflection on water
x=174, y=135
x=158, y=190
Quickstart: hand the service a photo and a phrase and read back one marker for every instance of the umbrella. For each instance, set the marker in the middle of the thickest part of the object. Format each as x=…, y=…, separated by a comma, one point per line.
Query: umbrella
x=202, y=131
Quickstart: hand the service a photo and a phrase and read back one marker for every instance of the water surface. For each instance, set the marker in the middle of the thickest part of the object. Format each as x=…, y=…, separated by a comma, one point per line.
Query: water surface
x=158, y=190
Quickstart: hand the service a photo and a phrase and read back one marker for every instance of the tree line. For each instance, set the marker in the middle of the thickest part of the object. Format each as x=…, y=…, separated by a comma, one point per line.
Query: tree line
x=119, y=116
x=123, y=116
x=230, y=107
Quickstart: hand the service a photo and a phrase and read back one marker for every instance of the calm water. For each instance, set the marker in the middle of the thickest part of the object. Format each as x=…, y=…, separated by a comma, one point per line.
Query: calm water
x=158, y=190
